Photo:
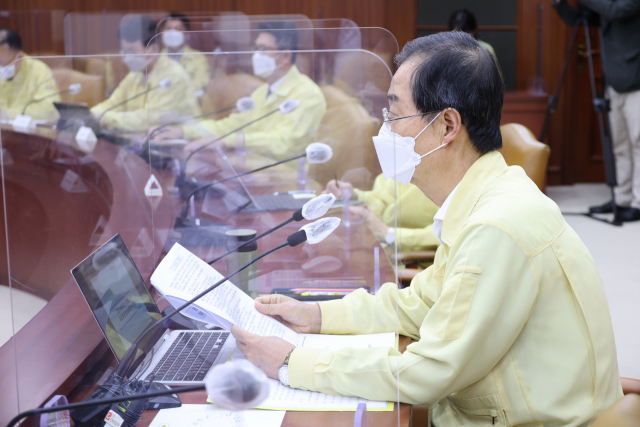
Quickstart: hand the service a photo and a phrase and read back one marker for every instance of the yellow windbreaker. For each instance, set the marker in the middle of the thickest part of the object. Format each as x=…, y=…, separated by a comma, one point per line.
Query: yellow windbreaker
x=164, y=105
x=276, y=136
x=415, y=212
x=512, y=321
x=195, y=64
x=32, y=81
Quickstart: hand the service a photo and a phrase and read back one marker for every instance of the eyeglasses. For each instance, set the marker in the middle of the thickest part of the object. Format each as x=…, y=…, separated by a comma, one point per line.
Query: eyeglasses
x=385, y=115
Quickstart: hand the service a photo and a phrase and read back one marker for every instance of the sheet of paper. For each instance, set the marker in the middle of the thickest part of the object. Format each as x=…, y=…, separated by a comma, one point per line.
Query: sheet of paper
x=211, y=416
x=289, y=399
x=183, y=275
x=337, y=342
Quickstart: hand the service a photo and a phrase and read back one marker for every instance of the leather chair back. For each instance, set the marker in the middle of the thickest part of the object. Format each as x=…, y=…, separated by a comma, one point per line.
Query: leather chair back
x=520, y=148
x=347, y=128
x=92, y=91
x=223, y=91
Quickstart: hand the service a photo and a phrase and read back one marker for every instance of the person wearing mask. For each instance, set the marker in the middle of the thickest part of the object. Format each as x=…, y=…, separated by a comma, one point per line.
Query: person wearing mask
x=175, y=45
x=278, y=136
x=24, y=79
x=174, y=100
x=511, y=322
x=415, y=220
x=464, y=20
x=620, y=22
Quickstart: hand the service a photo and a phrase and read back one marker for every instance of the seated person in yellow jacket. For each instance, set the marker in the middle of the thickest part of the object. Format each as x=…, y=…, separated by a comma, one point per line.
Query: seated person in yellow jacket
x=511, y=321
x=277, y=136
x=175, y=44
x=415, y=210
x=156, y=105
x=24, y=81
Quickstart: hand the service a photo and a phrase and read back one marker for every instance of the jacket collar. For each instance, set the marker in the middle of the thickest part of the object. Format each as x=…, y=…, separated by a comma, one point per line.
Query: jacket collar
x=475, y=180
x=289, y=83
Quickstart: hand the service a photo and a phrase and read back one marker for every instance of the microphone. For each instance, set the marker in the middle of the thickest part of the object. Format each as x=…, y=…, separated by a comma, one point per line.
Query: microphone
x=73, y=89
x=163, y=84
x=314, y=233
x=163, y=161
x=236, y=386
x=187, y=185
x=316, y=152
x=313, y=209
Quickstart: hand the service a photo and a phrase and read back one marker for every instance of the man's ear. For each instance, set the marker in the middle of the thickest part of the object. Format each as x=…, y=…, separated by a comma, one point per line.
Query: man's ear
x=286, y=56
x=453, y=124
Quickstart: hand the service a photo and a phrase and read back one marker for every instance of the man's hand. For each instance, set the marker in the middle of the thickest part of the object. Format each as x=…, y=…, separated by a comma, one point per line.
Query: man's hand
x=267, y=353
x=377, y=227
x=337, y=190
x=301, y=317
x=169, y=132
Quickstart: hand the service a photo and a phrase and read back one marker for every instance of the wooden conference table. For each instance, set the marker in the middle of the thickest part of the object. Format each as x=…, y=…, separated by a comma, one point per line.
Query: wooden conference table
x=61, y=205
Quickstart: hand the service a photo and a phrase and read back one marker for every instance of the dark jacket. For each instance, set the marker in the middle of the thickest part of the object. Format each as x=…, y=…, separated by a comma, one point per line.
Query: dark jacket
x=620, y=21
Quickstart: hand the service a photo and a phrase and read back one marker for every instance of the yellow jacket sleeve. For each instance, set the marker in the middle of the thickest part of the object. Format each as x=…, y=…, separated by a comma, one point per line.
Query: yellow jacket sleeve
x=118, y=95
x=44, y=109
x=197, y=67
x=381, y=200
x=459, y=319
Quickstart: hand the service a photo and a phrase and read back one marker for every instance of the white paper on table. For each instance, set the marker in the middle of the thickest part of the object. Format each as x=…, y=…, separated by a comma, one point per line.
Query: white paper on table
x=338, y=342
x=211, y=416
x=181, y=276
x=290, y=399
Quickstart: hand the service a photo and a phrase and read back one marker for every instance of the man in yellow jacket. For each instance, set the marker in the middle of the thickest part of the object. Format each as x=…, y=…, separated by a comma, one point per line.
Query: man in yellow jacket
x=277, y=136
x=24, y=82
x=163, y=87
x=511, y=322
x=415, y=212
x=175, y=44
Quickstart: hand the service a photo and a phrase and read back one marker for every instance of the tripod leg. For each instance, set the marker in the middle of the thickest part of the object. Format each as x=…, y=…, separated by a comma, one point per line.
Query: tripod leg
x=553, y=100
x=601, y=107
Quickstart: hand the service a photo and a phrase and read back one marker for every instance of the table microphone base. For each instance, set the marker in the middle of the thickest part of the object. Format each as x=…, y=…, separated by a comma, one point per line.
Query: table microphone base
x=162, y=402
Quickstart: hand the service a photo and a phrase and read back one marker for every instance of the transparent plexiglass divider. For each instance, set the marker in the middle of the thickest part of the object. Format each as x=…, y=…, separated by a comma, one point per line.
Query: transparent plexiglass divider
x=240, y=171
x=99, y=163
x=68, y=188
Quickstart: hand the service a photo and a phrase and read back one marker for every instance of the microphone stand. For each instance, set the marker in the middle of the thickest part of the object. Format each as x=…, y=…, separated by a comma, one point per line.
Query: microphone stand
x=90, y=403
x=34, y=101
x=158, y=160
x=202, y=187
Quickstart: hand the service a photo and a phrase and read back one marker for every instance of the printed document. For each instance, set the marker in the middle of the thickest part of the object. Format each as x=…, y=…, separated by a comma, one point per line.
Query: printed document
x=212, y=416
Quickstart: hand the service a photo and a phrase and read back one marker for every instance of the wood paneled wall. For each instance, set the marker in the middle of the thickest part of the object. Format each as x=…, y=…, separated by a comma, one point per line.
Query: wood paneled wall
x=398, y=16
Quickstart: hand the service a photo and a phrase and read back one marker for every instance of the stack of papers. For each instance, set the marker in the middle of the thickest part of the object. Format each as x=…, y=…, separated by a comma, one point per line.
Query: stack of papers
x=210, y=416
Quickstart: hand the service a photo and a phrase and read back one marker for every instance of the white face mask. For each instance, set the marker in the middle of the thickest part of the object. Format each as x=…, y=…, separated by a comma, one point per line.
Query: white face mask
x=263, y=64
x=7, y=72
x=136, y=62
x=397, y=155
x=173, y=38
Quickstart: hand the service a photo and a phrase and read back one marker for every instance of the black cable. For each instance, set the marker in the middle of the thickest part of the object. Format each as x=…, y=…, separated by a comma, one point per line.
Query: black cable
x=71, y=406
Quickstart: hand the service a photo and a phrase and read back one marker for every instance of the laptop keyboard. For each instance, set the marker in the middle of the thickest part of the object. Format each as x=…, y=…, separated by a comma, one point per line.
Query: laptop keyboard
x=271, y=202
x=190, y=356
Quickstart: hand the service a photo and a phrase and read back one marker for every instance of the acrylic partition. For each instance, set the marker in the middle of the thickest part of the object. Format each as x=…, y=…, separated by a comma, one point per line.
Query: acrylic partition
x=84, y=166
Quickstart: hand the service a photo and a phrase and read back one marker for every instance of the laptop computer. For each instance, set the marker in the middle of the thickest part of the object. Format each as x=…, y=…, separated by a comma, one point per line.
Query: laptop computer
x=73, y=115
x=244, y=201
x=124, y=309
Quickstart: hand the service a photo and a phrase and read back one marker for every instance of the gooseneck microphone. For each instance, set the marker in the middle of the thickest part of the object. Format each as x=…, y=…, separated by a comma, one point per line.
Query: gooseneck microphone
x=313, y=209
x=73, y=89
x=314, y=233
x=161, y=160
x=316, y=153
x=235, y=386
x=285, y=108
x=163, y=84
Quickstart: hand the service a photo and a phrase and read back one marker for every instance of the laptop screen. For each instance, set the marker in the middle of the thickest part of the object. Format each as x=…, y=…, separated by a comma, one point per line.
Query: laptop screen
x=118, y=297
